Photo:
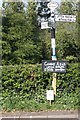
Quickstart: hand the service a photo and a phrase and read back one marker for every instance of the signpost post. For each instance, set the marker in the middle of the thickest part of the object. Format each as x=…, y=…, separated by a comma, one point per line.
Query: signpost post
x=53, y=6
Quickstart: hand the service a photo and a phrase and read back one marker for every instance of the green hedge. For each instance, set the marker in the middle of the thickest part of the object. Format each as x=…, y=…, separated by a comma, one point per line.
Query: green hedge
x=69, y=82
x=24, y=80
x=28, y=82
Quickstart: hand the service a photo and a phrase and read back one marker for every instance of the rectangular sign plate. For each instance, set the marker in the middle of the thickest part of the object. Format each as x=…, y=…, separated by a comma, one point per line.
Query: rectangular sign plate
x=44, y=25
x=54, y=66
x=50, y=95
x=65, y=18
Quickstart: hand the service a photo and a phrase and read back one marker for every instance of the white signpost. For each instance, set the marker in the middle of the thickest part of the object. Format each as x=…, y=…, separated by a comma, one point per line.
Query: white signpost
x=65, y=18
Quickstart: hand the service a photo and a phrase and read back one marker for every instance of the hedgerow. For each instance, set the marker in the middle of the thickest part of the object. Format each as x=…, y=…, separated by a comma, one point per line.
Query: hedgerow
x=24, y=84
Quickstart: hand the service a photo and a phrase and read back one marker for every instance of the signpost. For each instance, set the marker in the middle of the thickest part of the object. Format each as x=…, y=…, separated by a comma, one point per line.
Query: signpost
x=54, y=66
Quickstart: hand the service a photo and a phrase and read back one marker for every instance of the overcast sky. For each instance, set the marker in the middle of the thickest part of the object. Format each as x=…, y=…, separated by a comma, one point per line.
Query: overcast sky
x=0, y=2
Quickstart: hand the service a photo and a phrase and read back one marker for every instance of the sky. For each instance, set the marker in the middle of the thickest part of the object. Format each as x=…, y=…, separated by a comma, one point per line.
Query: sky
x=0, y=2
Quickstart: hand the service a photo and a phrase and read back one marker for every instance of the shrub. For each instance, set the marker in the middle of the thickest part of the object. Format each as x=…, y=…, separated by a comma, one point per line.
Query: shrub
x=23, y=83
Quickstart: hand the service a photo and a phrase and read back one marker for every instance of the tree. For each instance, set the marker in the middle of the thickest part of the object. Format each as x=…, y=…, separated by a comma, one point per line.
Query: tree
x=66, y=35
x=12, y=21
x=23, y=40
x=19, y=34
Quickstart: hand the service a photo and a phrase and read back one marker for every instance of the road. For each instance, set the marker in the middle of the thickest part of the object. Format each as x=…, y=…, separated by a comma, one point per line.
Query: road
x=43, y=115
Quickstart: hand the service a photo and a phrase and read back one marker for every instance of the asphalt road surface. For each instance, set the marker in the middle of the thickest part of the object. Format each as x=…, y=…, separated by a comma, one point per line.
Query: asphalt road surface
x=43, y=115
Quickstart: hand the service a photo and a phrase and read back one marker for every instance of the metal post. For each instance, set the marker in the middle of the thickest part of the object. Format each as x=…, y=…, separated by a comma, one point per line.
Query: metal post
x=54, y=83
x=53, y=43
x=53, y=57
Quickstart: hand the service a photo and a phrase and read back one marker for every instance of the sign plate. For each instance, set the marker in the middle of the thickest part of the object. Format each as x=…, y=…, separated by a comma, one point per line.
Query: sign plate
x=44, y=25
x=65, y=18
x=54, y=66
x=50, y=95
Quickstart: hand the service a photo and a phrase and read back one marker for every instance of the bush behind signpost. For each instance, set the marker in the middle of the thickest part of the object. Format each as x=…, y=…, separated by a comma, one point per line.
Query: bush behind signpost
x=24, y=87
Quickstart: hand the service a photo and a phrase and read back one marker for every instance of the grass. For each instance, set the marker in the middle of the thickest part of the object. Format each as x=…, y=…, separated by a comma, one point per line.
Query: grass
x=64, y=102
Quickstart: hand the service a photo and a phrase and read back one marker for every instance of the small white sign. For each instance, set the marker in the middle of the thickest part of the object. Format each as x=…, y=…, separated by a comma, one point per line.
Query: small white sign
x=50, y=95
x=65, y=18
x=44, y=25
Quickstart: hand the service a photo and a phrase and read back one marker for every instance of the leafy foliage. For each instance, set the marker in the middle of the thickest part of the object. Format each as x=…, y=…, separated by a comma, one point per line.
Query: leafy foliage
x=67, y=37
x=23, y=40
x=29, y=82
x=24, y=45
